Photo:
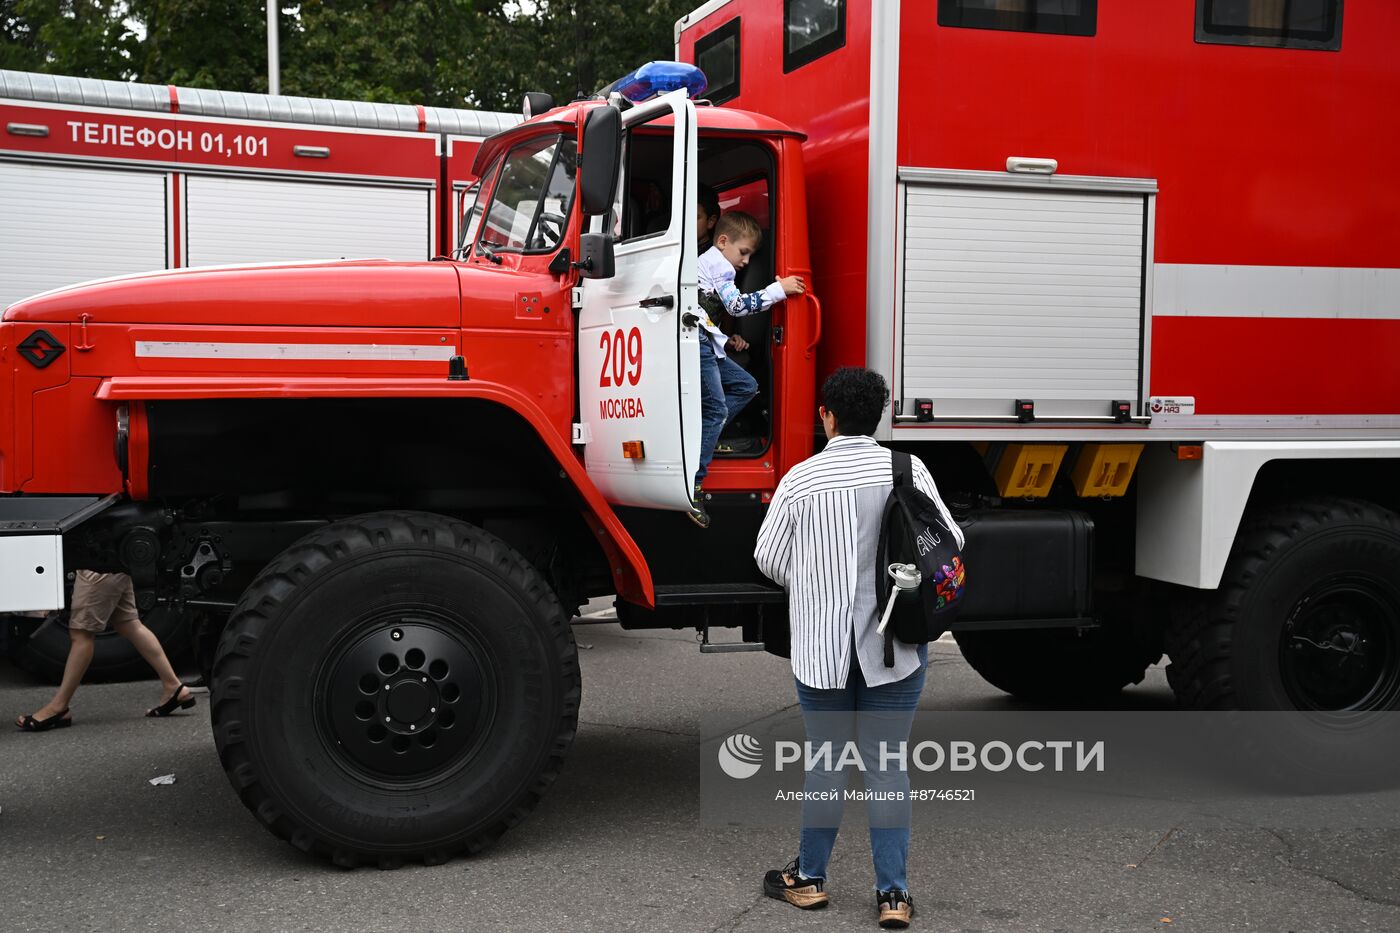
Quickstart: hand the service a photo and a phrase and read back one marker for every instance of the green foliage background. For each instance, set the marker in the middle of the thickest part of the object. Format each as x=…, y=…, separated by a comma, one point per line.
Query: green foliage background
x=449, y=53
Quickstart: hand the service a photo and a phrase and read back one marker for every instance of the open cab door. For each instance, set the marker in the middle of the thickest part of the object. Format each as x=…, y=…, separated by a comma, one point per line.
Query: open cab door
x=638, y=340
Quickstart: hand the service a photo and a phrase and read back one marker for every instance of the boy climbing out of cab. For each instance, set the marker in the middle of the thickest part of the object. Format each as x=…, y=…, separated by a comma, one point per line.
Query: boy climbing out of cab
x=725, y=388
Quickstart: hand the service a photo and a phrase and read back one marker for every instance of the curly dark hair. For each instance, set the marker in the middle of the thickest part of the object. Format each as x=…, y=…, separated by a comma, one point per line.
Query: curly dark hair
x=857, y=397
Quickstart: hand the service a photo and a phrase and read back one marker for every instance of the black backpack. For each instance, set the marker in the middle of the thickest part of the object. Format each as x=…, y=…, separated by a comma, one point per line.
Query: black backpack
x=913, y=531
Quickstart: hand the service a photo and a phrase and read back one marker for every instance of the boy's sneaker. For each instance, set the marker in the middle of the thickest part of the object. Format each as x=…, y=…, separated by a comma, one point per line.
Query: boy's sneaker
x=697, y=513
x=896, y=907
x=802, y=893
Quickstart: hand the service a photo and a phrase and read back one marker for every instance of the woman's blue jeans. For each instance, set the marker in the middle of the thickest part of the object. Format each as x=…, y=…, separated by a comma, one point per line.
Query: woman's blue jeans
x=887, y=715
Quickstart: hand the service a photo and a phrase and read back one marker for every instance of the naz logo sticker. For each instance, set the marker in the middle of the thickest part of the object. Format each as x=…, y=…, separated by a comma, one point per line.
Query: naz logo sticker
x=40, y=348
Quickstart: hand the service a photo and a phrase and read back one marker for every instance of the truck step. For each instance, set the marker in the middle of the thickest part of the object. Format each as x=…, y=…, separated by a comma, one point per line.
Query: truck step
x=725, y=647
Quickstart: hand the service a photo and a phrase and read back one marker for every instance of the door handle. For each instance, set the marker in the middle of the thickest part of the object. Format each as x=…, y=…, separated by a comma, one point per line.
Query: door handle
x=816, y=322
x=660, y=301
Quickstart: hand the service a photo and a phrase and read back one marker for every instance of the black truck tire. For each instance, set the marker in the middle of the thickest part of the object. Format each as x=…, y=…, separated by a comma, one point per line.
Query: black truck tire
x=1059, y=667
x=396, y=686
x=114, y=658
x=1307, y=615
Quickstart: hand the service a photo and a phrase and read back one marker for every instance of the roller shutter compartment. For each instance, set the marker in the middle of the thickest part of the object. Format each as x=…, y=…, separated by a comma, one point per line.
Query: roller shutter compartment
x=231, y=220
x=64, y=224
x=1015, y=293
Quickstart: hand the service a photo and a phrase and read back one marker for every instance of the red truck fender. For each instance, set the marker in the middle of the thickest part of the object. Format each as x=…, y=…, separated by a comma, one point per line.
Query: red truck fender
x=630, y=571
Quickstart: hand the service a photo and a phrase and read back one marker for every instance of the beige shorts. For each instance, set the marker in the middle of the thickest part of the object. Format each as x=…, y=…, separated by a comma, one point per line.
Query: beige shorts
x=100, y=597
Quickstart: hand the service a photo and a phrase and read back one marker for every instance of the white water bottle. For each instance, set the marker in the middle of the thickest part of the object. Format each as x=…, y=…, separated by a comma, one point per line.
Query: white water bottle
x=906, y=580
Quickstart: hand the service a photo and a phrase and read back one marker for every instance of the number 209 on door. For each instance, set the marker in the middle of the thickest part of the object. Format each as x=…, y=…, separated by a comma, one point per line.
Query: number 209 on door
x=622, y=357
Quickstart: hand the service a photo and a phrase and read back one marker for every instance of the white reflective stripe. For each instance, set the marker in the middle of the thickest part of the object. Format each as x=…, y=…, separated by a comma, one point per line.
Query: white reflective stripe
x=1275, y=291
x=292, y=351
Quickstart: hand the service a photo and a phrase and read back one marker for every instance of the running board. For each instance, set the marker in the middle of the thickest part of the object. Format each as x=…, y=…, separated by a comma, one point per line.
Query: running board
x=31, y=547
x=717, y=594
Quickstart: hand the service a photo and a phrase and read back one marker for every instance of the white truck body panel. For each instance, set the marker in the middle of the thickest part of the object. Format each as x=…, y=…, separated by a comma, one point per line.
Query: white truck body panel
x=1189, y=511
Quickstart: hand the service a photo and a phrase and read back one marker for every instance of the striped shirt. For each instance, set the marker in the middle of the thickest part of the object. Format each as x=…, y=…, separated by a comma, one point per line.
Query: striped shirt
x=818, y=541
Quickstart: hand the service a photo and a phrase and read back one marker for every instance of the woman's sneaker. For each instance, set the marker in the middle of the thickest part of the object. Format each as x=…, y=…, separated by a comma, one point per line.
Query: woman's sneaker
x=896, y=907
x=785, y=885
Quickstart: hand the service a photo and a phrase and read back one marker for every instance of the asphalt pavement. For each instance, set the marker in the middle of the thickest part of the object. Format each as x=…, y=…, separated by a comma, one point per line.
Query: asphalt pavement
x=87, y=843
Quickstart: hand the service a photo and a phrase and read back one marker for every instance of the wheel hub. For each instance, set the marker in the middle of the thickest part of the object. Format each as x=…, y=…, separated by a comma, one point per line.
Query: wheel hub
x=1341, y=648
x=410, y=701
x=405, y=698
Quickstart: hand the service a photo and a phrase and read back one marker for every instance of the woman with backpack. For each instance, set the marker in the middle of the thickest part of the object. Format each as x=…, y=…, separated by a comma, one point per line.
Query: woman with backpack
x=819, y=541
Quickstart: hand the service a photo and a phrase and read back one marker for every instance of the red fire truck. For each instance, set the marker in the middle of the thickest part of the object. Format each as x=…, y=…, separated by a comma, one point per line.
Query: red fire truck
x=1140, y=327
x=103, y=178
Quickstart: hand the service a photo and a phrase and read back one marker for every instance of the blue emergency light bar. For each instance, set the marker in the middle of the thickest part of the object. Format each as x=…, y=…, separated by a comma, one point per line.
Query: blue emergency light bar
x=658, y=78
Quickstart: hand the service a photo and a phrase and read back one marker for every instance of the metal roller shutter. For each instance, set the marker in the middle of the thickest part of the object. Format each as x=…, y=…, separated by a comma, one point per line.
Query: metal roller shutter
x=1021, y=294
x=65, y=224
x=232, y=220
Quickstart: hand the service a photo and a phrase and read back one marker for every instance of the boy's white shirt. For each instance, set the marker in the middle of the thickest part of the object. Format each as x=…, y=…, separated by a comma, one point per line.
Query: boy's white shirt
x=714, y=274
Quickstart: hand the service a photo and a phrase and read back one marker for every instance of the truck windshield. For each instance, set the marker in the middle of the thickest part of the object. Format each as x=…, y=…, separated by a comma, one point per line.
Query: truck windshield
x=530, y=206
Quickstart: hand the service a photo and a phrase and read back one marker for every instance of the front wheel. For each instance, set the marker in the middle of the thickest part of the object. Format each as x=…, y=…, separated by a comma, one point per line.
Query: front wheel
x=395, y=686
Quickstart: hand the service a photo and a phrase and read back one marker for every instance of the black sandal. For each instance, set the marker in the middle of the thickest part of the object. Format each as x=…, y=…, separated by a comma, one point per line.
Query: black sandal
x=168, y=707
x=61, y=721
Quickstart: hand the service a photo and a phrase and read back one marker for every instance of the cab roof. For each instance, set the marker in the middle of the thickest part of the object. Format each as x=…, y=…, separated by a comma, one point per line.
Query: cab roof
x=725, y=120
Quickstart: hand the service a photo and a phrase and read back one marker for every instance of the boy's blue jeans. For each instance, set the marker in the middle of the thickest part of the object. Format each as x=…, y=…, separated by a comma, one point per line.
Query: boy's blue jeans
x=887, y=714
x=724, y=391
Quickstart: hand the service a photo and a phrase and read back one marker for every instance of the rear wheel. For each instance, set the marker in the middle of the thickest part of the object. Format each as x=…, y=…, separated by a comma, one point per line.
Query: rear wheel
x=1060, y=666
x=1307, y=615
x=395, y=686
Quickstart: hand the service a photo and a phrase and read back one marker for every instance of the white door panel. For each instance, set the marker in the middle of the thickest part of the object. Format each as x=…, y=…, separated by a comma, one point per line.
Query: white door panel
x=65, y=224
x=232, y=220
x=657, y=399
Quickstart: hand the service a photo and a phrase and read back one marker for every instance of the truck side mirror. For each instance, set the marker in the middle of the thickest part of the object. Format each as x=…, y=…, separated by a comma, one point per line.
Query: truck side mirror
x=602, y=151
x=595, y=256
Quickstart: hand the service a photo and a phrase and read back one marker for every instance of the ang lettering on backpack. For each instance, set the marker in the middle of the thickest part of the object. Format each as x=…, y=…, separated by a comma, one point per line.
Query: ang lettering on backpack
x=914, y=530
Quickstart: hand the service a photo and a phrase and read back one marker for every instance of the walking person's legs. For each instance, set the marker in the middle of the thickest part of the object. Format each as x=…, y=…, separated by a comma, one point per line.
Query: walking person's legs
x=126, y=622
x=80, y=650
x=149, y=647
x=98, y=597
x=95, y=596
